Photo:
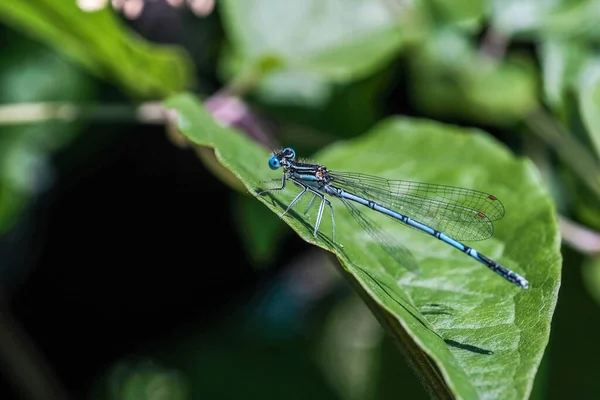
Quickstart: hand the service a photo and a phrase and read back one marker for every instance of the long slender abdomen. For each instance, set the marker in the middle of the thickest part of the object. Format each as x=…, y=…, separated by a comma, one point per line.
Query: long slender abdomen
x=491, y=264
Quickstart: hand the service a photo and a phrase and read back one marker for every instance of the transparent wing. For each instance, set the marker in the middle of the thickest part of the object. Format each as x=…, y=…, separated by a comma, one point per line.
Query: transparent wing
x=391, y=246
x=463, y=214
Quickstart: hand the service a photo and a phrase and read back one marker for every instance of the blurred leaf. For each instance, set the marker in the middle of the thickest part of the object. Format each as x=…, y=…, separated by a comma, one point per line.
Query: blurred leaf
x=467, y=14
x=259, y=229
x=543, y=18
x=343, y=42
x=396, y=376
x=450, y=79
x=582, y=200
x=295, y=88
x=225, y=365
x=350, y=349
x=481, y=324
x=574, y=341
x=30, y=72
x=589, y=100
x=11, y=204
x=350, y=110
x=561, y=62
x=591, y=277
x=99, y=42
x=516, y=16
x=133, y=379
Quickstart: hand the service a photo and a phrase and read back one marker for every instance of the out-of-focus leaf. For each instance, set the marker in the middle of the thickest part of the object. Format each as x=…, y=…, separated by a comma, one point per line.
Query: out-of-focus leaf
x=100, y=42
x=572, y=373
x=591, y=277
x=296, y=87
x=259, y=229
x=351, y=109
x=589, y=99
x=561, y=62
x=32, y=73
x=11, y=203
x=396, y=376
x=450, y=80
x=582, y=201
x=350, y=349
x=141, y=380
x=543, y=18
x=466, y=14
x=458, y=322
x=344, y=41
x=223, y=365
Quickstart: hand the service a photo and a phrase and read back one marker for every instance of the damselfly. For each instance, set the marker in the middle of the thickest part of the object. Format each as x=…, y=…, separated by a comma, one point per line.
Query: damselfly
x=445, y=212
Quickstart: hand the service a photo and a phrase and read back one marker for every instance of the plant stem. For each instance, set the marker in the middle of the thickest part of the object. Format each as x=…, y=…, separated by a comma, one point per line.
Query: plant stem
x=579, y=237
x=494, y=44
x=573, y=153
x=27, y=113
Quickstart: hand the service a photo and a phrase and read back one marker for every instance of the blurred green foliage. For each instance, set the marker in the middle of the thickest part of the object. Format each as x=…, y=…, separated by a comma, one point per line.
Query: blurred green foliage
x=306, y=62
x=30, y=72
x=328, y=71
x=99, y=42
x=139, y=379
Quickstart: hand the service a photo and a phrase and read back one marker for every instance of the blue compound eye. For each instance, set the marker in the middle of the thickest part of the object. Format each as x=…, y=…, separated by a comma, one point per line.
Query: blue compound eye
x=274, y=163
x=288, y=152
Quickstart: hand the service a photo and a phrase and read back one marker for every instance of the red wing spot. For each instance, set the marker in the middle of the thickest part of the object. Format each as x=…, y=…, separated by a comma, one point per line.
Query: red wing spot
x=492, y=197
x=480, y=214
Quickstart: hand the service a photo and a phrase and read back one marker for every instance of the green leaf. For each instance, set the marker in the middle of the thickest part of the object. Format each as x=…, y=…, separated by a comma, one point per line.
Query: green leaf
x=589, y=99
x=100, y=42
x=141, y=379
x=293, y=87
x=451, y=79
x=543, y=18
x=310, y=127
x=30, y=72
x=259, y=229
x=228, y=364
x=467, y=14
x=572, y=372
x=591, y=277
x=349, y=350
x=466, y=330
x=311, y=56
x=561, y=62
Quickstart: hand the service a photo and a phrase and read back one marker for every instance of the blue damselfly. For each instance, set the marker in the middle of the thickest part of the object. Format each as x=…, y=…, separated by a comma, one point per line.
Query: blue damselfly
x=445, y=212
